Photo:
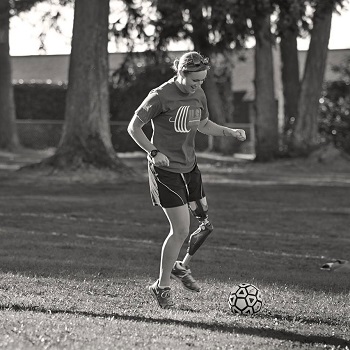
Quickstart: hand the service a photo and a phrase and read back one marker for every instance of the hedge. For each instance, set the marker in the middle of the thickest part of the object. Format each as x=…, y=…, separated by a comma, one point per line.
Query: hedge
x=43, y=101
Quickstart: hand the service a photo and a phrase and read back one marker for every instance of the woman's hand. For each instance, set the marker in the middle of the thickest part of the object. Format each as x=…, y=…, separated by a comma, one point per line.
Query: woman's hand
x=159, y=160
x=239, y=134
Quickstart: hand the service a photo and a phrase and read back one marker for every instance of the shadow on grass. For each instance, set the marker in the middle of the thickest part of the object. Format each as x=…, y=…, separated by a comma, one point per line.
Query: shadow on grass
x=301, y=320
x=255, y=331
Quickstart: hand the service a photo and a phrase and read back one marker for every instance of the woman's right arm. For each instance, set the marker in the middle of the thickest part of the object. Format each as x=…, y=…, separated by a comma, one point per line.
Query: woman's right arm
x=135, y=131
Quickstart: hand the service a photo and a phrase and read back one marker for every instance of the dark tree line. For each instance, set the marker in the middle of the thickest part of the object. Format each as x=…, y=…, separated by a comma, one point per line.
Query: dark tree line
x=213, y=27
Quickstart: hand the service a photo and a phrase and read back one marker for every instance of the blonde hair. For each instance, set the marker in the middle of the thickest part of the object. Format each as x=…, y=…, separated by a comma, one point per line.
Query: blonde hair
x=191, y=62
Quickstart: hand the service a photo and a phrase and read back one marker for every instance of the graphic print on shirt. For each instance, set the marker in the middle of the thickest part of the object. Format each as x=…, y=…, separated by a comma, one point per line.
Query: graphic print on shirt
x=186, y=118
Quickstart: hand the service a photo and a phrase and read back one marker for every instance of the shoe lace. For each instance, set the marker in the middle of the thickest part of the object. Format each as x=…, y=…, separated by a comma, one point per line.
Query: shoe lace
x=188, y=276
x=165, y=294
x=166, y=297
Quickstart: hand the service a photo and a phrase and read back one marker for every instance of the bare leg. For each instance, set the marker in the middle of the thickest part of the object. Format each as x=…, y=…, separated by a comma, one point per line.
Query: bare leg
x=179, y=219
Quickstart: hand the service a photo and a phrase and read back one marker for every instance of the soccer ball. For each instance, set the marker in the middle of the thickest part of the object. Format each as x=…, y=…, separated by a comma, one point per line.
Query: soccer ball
x=245, y=299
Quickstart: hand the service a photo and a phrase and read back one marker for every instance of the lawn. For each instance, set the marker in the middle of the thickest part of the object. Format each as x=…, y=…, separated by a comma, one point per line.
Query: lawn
x=76, y=257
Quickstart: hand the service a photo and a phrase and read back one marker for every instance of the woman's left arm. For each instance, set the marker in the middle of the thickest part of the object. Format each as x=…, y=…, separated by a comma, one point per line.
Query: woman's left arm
x=208, y=127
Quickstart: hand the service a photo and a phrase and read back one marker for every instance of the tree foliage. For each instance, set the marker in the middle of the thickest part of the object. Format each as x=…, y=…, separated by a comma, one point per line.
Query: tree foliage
x=18, y=6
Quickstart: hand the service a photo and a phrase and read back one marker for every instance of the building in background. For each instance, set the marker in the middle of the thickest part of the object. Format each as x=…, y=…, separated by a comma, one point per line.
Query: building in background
x=53, y=69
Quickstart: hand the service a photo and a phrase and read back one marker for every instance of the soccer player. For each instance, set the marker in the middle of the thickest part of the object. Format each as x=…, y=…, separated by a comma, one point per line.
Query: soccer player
x=176, y=110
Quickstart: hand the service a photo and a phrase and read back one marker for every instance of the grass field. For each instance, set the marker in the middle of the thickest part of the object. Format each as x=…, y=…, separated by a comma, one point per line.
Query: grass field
x=76, y=257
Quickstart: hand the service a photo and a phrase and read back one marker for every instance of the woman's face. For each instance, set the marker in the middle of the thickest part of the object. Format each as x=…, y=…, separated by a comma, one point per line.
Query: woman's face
x=191, y=81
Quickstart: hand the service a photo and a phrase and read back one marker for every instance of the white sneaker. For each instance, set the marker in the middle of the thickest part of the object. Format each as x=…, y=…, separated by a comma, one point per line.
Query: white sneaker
x=183, y=274
x=161, y=295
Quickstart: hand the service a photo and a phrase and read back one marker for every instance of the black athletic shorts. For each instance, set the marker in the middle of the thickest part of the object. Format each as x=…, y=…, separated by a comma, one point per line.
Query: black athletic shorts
x=170, y=189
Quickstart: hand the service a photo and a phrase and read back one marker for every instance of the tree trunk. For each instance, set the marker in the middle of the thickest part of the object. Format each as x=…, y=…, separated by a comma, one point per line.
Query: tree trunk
x=266, y=123
x=86, y=138
x=215, y=102
x=8, y=130
x=223, y=79
x=290, y=81
x=305, y=134
x=223, y=76
x=216, y=107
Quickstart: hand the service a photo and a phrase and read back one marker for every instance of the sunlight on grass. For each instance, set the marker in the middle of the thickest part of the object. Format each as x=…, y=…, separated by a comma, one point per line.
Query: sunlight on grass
x=71, y=308
x=75, y=262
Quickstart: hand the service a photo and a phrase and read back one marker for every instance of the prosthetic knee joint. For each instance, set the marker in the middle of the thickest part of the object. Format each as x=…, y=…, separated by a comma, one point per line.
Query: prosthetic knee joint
x=200, y=210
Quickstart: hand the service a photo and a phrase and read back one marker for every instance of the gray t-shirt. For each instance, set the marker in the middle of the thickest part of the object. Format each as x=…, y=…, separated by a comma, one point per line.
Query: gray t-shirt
x=175, y=117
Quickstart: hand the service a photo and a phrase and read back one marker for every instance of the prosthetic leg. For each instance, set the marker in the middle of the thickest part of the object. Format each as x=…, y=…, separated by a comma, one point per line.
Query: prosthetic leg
x=199, y=209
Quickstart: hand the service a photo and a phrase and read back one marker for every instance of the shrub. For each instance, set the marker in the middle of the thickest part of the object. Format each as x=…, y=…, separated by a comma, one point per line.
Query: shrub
x=40, y=101
x=134, y=79
x=335, y=109
x=130, y=85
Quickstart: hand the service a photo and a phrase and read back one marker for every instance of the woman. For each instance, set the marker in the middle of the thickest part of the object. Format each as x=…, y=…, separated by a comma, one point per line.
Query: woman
x=177, y=109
